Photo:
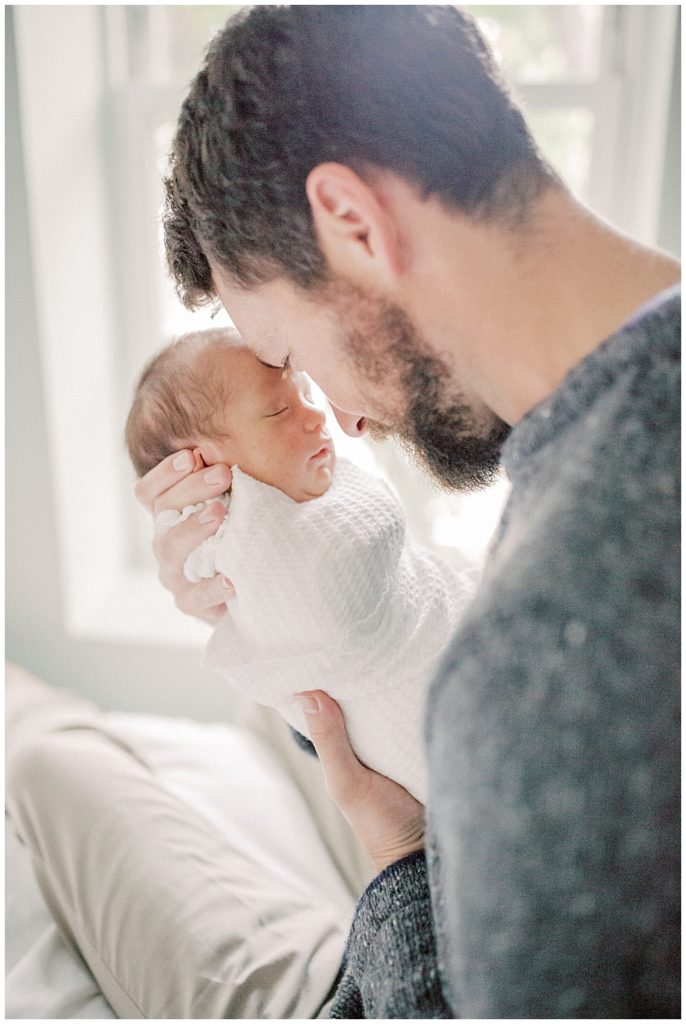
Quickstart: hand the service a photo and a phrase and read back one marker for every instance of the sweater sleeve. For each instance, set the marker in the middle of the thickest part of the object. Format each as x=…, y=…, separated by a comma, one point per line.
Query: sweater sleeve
x=390, y=968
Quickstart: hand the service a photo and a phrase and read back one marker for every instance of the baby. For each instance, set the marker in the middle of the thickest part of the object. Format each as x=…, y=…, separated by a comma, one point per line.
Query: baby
x=329, y=592
x=210, y=393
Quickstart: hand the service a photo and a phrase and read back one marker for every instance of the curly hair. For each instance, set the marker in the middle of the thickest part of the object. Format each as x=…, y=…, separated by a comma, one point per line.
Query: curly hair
x=412, y=90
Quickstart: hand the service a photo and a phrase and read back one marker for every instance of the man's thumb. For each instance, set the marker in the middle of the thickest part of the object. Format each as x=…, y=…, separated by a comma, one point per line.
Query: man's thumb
x=327, y=731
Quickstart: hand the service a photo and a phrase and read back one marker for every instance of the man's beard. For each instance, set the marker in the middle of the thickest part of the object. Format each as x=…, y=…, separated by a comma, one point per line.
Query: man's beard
x=459, y=449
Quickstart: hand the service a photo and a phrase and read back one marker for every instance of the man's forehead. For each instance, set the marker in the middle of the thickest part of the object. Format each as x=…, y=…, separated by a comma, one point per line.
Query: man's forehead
x=268, y=348
x=260, y=314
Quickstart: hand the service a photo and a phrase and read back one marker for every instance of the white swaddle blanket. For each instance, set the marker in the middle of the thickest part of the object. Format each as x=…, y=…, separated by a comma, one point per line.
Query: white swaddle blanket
x=331, y=594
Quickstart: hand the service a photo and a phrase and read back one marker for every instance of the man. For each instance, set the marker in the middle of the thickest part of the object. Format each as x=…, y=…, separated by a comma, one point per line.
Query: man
x=359, y=190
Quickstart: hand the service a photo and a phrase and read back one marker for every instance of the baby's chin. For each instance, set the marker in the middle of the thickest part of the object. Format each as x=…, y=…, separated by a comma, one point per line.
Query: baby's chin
x=319, y=478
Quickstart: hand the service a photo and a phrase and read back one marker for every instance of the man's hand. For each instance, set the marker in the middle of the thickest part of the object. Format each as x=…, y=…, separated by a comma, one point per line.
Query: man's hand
x=385, y=818
x=183, y=479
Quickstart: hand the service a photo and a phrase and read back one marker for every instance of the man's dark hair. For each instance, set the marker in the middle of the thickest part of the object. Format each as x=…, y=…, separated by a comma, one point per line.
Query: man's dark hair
x=412, y=90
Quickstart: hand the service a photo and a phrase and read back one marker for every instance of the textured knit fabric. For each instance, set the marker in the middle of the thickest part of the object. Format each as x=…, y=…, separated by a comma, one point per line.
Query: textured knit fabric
x=333, y=594
x=552, y=728
x=396, y=905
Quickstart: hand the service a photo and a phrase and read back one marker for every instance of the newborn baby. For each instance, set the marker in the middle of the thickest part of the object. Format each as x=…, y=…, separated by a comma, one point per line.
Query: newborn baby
x=330, y=592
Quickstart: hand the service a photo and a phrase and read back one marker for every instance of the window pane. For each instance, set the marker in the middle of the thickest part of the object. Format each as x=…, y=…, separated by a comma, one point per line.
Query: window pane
x=565, y=135
x=546, y=43
x=188, y=31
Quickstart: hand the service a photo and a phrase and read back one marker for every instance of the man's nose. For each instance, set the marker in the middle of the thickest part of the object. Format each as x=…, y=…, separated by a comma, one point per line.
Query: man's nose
x=352, y=425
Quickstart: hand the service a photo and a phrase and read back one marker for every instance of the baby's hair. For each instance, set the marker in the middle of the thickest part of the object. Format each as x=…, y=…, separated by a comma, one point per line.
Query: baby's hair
x=178, y=399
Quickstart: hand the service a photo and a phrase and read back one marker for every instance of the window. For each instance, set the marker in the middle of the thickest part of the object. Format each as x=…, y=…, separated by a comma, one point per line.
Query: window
x=594, y=80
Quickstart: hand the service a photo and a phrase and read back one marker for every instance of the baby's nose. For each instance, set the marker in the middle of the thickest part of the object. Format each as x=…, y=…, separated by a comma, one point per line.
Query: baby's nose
x=313, y=417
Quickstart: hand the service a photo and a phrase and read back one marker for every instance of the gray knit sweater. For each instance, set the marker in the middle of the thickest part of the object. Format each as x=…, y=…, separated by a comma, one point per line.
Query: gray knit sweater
x=552, y=887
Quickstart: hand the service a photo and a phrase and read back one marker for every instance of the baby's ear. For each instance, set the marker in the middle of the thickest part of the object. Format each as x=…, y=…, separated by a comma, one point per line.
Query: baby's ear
x=198, y=461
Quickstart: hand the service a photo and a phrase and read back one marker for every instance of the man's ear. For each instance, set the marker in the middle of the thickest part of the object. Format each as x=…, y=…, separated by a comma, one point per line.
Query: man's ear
x=356, y=232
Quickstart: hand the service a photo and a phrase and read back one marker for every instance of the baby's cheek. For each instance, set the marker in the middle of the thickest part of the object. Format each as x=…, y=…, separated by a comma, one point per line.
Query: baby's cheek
x=282, y=456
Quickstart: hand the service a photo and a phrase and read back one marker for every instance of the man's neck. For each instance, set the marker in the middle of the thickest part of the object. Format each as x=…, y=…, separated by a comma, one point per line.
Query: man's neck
x=518, y=310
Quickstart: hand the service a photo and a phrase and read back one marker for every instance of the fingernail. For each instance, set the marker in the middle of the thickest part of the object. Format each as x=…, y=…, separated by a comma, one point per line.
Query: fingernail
x=208, y=516
x=226, y=583
x=184, y=460
x=214, y=475
x=309, y=704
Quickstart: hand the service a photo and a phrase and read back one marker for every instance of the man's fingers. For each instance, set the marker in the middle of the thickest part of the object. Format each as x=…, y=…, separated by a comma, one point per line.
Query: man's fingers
x=387, y=820
x=163, y=476
x=209, y=482
x=204, y=600
x=173, y=547
x=344, y=774
x=181, y=480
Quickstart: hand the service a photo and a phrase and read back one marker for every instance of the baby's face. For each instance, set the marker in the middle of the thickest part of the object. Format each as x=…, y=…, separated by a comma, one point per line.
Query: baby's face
x=274, y=431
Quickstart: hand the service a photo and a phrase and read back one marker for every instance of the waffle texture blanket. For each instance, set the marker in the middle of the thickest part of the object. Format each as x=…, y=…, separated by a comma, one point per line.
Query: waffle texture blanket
x=332, y=594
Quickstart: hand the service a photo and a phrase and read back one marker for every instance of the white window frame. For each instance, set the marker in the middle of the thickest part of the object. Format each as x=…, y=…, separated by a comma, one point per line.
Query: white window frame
x=74, y=168
x=629, y=102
